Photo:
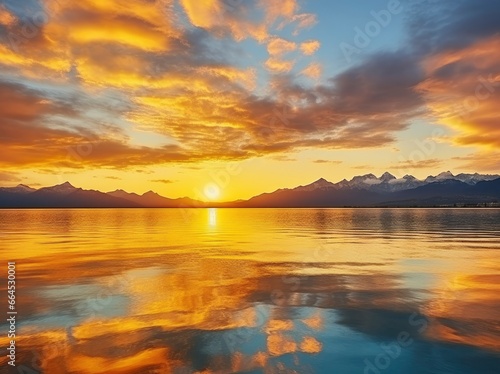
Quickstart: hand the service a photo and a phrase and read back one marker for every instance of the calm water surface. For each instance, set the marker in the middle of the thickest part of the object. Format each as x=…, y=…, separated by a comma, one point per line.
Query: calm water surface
x=254, y=290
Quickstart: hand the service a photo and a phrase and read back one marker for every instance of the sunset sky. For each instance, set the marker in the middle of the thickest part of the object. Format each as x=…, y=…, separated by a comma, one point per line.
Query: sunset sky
x=247, y=95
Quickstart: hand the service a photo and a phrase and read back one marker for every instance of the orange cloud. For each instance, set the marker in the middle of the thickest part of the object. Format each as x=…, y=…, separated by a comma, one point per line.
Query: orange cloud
x=310, y=47
x=312, y=71
x=125, y=68
x=277, y=46
x=424, y=164
x=158, y=13
x=6, y=18
x=303, y=21
x=463, y=90
x=124, y=31
x=222, y=19
x=246, y=19
x=484, y=160
x=74, y=29
x=141, y=24
x=276, y=9
x=277, y=65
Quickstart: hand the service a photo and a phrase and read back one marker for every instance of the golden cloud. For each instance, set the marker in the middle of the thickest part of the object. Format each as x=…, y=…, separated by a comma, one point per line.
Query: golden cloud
x=139, y=66
x=141, y=24
x=309, y=47
x=313, y=71
x=277, y=65
x=463, y=90
x=274, y=10
x=246, y=19
x=222, y=19
x=278, y=46
x=484, y=160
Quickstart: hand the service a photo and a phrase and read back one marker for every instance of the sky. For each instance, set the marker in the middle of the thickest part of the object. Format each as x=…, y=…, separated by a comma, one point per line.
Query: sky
x=226, y=99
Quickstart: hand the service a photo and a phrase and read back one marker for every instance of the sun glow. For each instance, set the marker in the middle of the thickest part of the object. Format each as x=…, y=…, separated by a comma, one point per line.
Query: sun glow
x=212, y=191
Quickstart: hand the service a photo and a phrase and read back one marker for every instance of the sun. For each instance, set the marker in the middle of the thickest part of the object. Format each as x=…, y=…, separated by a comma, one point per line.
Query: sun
x=212, y=191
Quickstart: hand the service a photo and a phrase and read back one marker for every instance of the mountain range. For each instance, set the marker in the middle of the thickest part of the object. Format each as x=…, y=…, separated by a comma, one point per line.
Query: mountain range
x=444, y=189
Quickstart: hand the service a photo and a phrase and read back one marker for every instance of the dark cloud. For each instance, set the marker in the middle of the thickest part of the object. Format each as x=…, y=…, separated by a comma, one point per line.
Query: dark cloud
x=336, y=162
x=165, y=181
x=384, y=83
x=451, y=24
x=424, y=164
x=449, y=68
x=363, y=167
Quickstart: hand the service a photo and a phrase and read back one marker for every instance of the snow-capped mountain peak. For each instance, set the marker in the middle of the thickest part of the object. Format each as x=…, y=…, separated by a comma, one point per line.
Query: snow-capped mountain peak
x=387, y=177
x=320, y=183
x=405, y=183
x=63, y=188
x=445, y=175
x=475, y=178
x=466, y=178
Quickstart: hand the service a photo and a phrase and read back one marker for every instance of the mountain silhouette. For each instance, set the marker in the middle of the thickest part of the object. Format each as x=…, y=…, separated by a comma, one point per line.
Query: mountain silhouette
x=152, y=199
x=367, y=190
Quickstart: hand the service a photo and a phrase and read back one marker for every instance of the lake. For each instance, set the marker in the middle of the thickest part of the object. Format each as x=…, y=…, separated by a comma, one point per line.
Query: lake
x=254, y=290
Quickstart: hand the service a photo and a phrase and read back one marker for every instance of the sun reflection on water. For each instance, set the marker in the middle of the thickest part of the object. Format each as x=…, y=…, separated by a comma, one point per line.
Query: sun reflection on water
x=212, y=216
